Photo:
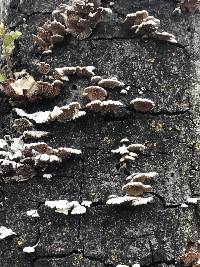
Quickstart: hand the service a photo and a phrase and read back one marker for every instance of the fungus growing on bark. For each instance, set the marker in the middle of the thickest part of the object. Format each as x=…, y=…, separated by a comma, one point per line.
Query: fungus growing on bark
x=33, y=213
x=26, y=89
x=48, y=176
x=123, y=92
x=136, y=188
x=128, y=152
x=141, y=177
x=82, y=16
x=95, y=93
x=48, y=35
x=20, y=161
x=62, y=114
x=111, y=83
x=66, y=207
x=104, y=106
x=147, y=26
x=30, y=249
x=188, y=5
x=64, y=72
x=86, y=203
x=191, y=256
x=124, y=140
x=43, y=67
x=5, y=232
x=134, y=201
x=142, y=104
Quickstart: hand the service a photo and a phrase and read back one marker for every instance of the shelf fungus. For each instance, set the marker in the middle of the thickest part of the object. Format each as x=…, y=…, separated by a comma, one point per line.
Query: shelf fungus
x=82, y=16
x=61, y=114
x=191, y=256
x=147, y=26
x=30, y=249
x=134, y=201
x=111, y=83
x=5, y=232
x=95, y=93
x=20, y=161
x=142, y=104
x=188, y=5
x=33, y=213
x=141, y=176
x=64, y=72
x=136, y=188
x=105, y=106
x=26, y=89
x=26, y=128
x=48, y=35
x=128, y=152
x=66, y=207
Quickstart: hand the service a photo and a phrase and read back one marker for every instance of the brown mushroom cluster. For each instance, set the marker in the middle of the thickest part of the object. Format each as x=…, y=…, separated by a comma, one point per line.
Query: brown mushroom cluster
x=25, y=90
x=128, y=152
x=20, y=161
x=134, y=189
x=134, y=183
x=82, y=16
x=147, y=26
x=97, y=94
x=134, y=186
x=188, y=5
x=48, y=35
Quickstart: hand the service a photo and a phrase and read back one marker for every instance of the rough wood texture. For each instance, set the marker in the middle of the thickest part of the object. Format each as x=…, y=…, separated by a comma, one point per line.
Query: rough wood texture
x=154, y=234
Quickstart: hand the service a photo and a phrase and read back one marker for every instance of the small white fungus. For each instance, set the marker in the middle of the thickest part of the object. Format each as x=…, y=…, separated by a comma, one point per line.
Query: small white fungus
x=33, y=213
x=5, y=232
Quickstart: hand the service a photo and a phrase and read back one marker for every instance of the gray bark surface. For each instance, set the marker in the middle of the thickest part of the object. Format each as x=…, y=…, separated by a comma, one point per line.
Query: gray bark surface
x=151, y=235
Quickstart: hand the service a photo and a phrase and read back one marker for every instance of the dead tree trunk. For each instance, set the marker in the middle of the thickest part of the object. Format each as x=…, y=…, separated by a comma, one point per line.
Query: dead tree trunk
x=155, y=234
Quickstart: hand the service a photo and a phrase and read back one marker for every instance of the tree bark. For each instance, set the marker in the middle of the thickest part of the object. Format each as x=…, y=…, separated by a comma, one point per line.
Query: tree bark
x=155, y=234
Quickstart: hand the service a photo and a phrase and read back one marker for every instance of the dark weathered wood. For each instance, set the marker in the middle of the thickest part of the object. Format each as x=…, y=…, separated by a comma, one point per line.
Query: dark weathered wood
x=154, y=234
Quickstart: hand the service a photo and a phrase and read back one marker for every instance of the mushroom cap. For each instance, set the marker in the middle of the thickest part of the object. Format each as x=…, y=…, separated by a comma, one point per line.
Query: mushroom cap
x=95, y=93
x=135, y=188
x=110, y=83
x=136, y=147
x=141, y=177
x=136, y=18
x=85, y=71
x=142, y=104
x=65, y=71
